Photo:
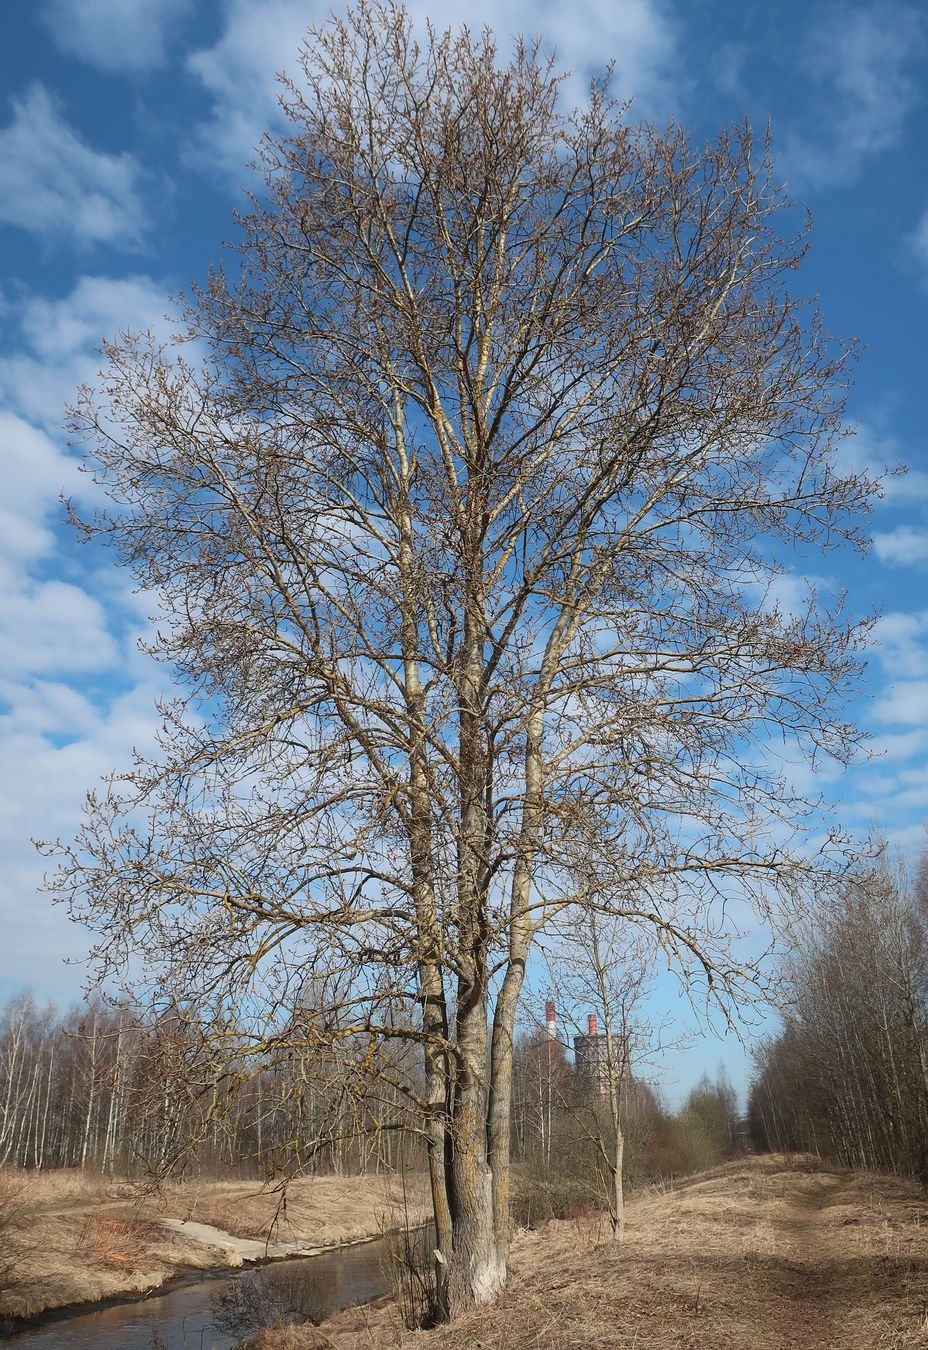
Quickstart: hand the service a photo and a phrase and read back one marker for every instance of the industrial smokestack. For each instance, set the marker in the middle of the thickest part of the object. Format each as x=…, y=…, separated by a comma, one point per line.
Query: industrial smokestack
x=591, y=1024
x=550, y=1020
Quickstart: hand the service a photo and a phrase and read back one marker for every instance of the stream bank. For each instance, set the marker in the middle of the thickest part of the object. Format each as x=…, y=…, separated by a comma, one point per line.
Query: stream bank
x=80, y=1241
x=183, y=1314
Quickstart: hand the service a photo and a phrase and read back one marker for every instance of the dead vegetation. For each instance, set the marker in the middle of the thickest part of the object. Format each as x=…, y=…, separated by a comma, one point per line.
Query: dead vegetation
x=68, y=1237
x=14, y=1227
x=116, y=1241
x=773, y=1253
x=62, y=1188
x=318, y=1210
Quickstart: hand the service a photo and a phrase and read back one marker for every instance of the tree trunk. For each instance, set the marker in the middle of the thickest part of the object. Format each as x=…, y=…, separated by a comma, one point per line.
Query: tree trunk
x=477, y=1270
x=618, y=1188
x=499, y=1137
x=91, y=1096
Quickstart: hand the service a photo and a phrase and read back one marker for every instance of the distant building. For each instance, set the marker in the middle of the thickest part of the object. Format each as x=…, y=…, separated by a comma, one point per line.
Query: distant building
x=550, y=1021
x=591, y=1063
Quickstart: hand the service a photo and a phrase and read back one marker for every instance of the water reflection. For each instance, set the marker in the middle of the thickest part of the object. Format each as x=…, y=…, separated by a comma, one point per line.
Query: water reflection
x=214, y=1314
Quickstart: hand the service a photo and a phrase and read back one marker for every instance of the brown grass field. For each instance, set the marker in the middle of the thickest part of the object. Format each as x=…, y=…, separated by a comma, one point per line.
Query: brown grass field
x=774, y=1253
x=73, y=1238
x=764, y=1252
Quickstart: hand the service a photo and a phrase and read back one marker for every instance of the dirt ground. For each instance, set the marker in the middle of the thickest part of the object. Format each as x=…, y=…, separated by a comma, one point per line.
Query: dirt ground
x=74, y=1238
x=765, y=1254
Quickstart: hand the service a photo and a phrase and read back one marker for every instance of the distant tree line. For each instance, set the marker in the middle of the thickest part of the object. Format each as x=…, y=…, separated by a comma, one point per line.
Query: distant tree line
x=848, y=1076
x=101, y=1088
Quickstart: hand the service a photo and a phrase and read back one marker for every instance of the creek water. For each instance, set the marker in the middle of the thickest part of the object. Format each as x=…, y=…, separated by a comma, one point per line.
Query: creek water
x=185, y=1318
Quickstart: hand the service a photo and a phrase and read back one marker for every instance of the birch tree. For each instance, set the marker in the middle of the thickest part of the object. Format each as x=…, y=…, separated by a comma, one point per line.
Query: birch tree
x=464, y=494
x=849, y=1074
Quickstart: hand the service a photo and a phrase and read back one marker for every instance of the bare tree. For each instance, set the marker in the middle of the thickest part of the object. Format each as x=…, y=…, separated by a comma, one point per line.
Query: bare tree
x=463, y=508
x=604, y=973
x=848, y=1076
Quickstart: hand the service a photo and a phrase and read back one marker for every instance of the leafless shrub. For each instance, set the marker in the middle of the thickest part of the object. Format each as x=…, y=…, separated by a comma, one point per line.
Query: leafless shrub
x=413, y=1277
x=539, y=1198
x=117, y=1241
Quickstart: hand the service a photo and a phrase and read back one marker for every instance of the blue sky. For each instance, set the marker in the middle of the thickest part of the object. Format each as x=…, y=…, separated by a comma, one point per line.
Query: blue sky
x=125, y=131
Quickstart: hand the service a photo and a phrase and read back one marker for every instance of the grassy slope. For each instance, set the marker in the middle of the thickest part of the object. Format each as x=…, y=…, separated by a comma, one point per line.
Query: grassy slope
x=769, y=1253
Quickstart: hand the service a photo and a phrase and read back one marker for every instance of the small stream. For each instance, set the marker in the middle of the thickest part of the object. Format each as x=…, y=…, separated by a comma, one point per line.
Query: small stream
x=185, y=1318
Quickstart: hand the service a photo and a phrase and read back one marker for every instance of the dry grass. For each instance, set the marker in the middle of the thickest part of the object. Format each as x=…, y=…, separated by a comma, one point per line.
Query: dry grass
x=318, y=1210
x=15, y=1223
x=116, y=1241
x=78, y=1257
x=64, y=1188
x=86, y=1239
x=766, y=1254
x=291, y=1338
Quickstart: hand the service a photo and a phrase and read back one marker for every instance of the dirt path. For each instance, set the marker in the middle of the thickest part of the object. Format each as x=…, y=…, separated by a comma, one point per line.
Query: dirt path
x=804, y=1299
x=764, y=1254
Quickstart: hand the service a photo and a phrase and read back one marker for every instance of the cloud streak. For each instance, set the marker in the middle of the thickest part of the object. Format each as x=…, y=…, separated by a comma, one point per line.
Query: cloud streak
x=859, y=64
x=115, y=35
x=55, y=185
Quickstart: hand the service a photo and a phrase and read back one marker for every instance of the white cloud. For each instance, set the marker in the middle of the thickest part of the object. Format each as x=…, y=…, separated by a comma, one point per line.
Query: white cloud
x=904, y=704
x=905, y=545
x=910, y=839
x=54, y=184
x=76, y=695
x=792, y=594
x=903, y=798
x=900, y=745
x=874, y=450
x=114, y=34
x=54, y=746
x=59, y=340
x=35, y=473
x=46, y=707
x=56, y=353
x=51, y=627
x=239, y=71
x=640, y=36
x=901, y=642
x=239, y=74
x=895, y=806
x=56, y=743
x=859, y=65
